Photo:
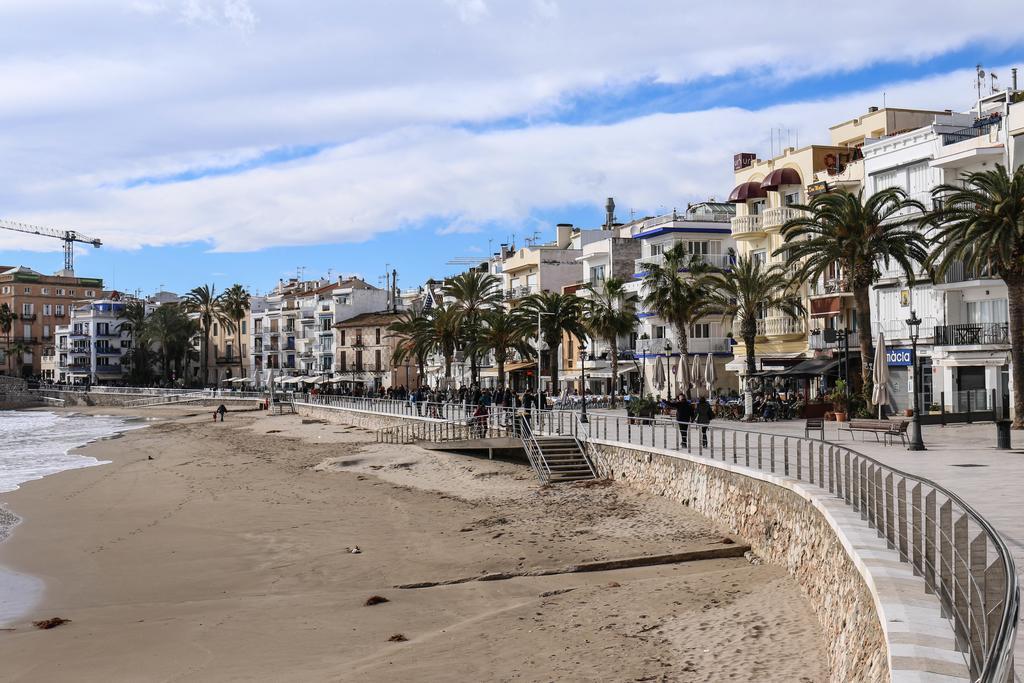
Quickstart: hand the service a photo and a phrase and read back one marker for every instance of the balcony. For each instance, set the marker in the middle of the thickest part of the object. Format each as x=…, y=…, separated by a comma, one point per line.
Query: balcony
x=107, y=334
x=79, y=334
x=816, y=342
x=721, y=261
x=709, y=344
x=832, y=286
x=973, y=334
x=773, y=219
x=515, y=293
x=781, y=326
x=112, y=369
x=228, y=360
x=959, y=271
x=107, y=351
x=27, y=318
x=747, y=227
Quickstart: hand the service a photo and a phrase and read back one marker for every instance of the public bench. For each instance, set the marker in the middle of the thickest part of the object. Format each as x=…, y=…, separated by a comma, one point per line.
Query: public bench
x=889, y=430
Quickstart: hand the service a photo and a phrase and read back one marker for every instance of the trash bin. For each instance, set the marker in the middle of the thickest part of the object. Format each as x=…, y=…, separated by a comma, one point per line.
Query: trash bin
x=1003, y=434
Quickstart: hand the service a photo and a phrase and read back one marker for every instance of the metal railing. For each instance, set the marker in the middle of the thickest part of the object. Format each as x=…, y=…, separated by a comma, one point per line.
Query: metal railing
x=972, y=334
x=961, y=558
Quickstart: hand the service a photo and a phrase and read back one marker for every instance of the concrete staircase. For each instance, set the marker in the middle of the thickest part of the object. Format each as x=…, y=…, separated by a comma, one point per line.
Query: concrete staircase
x=562, y=460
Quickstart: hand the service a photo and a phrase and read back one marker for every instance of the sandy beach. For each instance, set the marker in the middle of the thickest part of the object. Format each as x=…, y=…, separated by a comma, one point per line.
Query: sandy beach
x=223, y=551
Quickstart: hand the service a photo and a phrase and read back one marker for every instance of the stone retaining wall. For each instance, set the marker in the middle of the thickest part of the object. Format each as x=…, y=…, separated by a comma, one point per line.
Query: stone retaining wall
x=784, y=527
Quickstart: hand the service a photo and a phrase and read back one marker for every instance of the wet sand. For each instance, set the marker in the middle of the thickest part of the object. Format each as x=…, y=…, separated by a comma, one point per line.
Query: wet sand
x=210, y=551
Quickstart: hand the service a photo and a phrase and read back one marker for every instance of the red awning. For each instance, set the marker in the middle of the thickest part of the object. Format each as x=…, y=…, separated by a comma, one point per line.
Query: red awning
x=826, y=307
x=781, y=176
x=745, y=191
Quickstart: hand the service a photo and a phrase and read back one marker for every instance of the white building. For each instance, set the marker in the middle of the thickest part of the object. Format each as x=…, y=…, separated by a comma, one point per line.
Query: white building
x=964, y=341
x=95, y=347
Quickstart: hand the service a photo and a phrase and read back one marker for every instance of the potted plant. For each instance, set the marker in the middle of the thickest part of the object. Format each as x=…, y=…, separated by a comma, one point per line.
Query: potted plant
x=908, y=412
x=839, y=400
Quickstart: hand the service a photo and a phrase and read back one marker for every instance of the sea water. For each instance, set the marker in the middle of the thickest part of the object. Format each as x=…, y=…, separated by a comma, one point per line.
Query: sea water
x=33, y=445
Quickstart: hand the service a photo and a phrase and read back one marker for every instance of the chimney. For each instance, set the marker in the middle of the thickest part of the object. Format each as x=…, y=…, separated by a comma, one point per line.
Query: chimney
x=609, y=208
x=1013, y=78
x=872, y=110
x=563, y=235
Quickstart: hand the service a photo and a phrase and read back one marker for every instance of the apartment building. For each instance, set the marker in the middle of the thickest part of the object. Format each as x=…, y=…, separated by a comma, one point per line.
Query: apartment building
x=40, y=303
x=95, y=347
x=276, y=325
x=964, y=336
x=764, y=194
x=364, y=353
x=546, y=267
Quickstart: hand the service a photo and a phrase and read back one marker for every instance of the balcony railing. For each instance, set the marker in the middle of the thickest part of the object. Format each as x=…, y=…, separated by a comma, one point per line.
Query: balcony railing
x=817, y=342
x=27, y=317
x=972, y=334
x=113, y=368
x=778, y=216
x=828, y=287
x=961, y=272
x=779, y=326
x=965, y=134
x=709, y=344
x=514, y=293
x=746, y=225
x=713, y=260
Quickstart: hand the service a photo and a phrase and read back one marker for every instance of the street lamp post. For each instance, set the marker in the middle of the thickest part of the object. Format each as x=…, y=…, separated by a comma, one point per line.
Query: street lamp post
x=916, y=440
x=643, y=363
x=539, y=314
x=583, y=383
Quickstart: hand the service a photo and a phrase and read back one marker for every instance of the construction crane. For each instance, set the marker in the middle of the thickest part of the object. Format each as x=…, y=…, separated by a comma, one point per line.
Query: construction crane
x=68, y=236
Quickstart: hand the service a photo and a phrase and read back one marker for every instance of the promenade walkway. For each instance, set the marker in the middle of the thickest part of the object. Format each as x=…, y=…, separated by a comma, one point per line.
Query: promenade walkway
x=962, y=458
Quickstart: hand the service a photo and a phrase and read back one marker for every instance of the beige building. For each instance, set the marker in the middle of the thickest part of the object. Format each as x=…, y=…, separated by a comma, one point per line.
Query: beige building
x=364, y=350
x=764, y=194
x=40, y=303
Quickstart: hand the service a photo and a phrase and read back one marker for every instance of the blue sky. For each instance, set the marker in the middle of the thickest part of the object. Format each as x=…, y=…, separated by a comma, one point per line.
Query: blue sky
x=239, y=140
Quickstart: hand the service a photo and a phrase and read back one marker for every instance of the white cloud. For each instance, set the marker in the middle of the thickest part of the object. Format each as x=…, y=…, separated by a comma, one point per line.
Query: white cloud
x=122, y=91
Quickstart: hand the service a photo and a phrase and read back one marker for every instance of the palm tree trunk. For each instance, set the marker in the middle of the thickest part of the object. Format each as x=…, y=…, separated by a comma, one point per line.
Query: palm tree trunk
x=501, y=372
x=238, y=338
x=862, y=297
x=553, y=360
x=613, y=344
x=474, y=369
x=1015, y=296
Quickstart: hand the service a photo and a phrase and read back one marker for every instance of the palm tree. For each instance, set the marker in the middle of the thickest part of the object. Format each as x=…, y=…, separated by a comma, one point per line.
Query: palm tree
x=135, y=323
x=857, y=234
x=745, y=292
x=474, y=292
x=611, y=313
x=680, y=300
x=208, y=308
x=7, y=318
x=172, y=329
x=981, y=224
x=443, y=331
x=558, y=313
x=235, y=301
x=413, y=331
x=18, y=350
x=502, y=333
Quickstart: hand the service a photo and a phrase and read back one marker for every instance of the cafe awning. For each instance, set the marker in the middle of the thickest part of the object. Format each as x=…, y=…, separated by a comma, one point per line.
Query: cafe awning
x=826, y=307
x=781, y=176
x=815, y=367
x=745, y=191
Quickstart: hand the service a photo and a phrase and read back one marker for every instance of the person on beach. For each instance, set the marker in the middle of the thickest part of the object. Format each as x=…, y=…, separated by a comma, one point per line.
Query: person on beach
x=220, y=411
x=684, y=416
x=704, y=415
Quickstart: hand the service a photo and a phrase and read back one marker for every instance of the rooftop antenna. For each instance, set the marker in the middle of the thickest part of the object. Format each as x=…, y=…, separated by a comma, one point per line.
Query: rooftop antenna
x=979, y=78
x=994, y=78
x=299, y=272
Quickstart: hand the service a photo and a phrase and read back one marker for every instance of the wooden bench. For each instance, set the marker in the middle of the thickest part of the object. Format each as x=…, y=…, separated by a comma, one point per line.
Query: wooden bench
x=814, y=424
x=888, y=429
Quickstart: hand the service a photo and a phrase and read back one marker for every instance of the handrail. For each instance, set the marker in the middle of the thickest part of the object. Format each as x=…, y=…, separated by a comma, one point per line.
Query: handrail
x=533, y=452
x=944, y=538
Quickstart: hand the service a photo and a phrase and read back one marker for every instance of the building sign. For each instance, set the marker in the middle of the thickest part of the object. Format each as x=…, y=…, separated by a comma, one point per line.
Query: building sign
x=898, y=357
x=742, y=160
x=820, y=187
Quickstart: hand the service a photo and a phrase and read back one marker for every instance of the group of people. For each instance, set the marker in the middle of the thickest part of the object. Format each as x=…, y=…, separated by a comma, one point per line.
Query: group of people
x=687, y=413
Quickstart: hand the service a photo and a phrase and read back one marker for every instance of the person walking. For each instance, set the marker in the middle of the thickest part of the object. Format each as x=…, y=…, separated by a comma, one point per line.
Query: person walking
x=704, y=415
x=221, y=409
x=684, y=416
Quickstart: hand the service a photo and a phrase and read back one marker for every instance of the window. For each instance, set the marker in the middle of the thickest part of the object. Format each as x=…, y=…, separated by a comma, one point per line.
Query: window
x=697, y=247
x=60, y=309
x=47, y=309
x=377, y=333
x=71, y=292
x=359, y=361
x=46, y=331
x=61, y=291
x=657, y=249
x=5, y=290
x=986, y=311
x=884, y=181
x=26, y=331
x=228, y=351
x=215, y=329
x=28, y=290
x=659, y=331
x=90, y=292
x=376, y=359
x=243, y=326
x=46, y=290
x=343, y=361
x=791, y=198
x=759, y=256
x=341, y=342
x=757, y=207
x=27, y=309
x=596, y=274
x=700, y=331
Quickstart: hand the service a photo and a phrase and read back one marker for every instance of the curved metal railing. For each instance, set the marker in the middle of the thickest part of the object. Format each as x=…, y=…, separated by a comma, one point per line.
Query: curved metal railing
x=960, y=556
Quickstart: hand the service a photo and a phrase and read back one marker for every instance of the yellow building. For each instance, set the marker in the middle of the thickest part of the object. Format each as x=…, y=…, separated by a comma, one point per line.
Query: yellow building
x=764, y=193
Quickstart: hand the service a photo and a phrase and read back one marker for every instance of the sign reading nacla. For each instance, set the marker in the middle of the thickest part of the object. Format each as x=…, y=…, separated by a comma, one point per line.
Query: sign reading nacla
x=898, y=356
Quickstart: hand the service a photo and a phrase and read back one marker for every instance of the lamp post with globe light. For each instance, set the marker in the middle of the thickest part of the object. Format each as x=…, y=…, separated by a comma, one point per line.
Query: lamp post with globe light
x=916, y=439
